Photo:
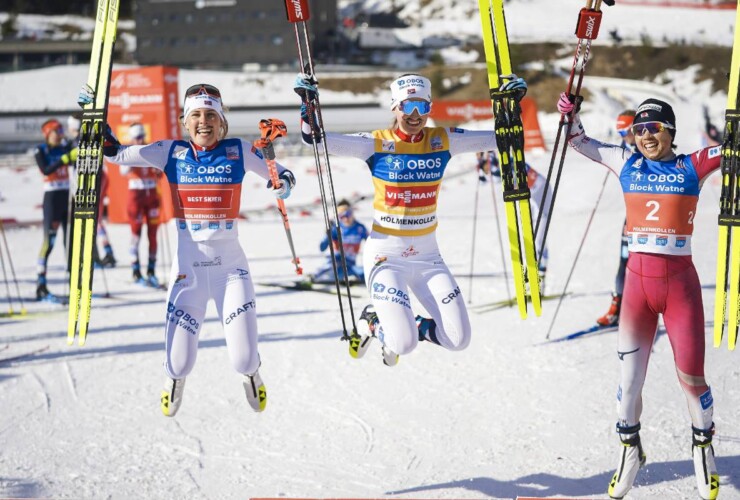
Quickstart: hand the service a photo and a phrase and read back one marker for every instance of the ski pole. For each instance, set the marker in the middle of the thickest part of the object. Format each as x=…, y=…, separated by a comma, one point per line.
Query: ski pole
x=472, y=245
x=270, y=130
x=587, y=28
x=297, y=12
x=5, y=276
x=500, y=239
x=575, y=261
x=12, y=269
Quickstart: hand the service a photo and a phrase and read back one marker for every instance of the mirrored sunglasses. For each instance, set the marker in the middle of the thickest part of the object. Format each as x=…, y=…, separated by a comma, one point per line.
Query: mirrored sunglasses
x=651, y=127
x=624, y=132
x=203, y=88
x=346, y=214
x=421, y=107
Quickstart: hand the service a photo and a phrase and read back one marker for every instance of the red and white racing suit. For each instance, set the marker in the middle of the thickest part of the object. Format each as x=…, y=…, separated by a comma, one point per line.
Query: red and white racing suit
x=210, y=263
x=661, y=199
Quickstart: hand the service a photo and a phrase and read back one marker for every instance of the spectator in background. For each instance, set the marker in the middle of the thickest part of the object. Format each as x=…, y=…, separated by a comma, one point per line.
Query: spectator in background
x=353, y=234
x=53, y=158
x=142, y=207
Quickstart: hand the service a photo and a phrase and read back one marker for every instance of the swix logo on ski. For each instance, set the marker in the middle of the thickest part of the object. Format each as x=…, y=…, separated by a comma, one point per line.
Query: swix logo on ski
x=239, y=310
x=414, y=196
x=182, y=319
x=451, y=296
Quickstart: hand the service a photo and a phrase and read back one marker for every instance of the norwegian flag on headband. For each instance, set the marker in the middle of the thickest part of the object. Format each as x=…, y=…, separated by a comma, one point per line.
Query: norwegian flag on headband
x=411, y=91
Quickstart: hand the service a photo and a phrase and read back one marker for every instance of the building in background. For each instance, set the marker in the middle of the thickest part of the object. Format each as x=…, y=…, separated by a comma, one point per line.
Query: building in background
x=227, y=33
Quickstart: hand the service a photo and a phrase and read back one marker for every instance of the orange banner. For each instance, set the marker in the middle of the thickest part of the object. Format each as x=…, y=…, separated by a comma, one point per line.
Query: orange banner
x=458, y=112
x=149, y=96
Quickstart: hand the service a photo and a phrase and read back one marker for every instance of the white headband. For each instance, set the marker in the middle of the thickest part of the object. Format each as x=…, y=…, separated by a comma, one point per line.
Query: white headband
x=200, y=101
x=409, y=86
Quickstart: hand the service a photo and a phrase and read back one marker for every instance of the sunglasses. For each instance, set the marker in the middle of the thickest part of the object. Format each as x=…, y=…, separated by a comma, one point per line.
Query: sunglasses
x=624, y=132
x=651, y=127
x=346, y=214
x=421, y=107
x=203, y=88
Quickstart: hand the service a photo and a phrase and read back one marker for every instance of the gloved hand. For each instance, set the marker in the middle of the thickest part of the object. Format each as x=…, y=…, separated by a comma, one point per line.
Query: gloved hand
x=86, y=95
x=306, y=87
x=515, y=84
x=70, y=157
x=288, y=181
x=111, y=145
x=568, y=102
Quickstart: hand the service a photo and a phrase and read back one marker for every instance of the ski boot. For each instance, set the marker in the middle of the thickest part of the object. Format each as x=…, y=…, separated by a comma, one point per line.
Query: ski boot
x=358, y=344
x=427, y=330
x=151, y=279
x=136, y=274
x=42, y=293
x=705, y=469
x=171, y=397
x=390, y=358
x=611, y=318
x=631, y=459
x=109, y=260
x=255, y=390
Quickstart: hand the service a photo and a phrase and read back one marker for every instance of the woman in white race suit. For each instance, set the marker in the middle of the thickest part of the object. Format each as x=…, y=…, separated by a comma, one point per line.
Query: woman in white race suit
x=205, y=175
x=407, y=162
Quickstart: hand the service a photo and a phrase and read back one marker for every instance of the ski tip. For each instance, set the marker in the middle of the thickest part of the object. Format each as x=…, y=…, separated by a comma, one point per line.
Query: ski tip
x=70, y=340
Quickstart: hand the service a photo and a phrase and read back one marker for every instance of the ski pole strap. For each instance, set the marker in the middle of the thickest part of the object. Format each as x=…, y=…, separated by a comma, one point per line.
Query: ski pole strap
x=588, y=23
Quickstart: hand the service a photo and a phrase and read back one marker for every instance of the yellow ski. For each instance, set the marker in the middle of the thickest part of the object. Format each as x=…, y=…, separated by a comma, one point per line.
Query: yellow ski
x=728, y=247
x=89, y=163
x=510, y=142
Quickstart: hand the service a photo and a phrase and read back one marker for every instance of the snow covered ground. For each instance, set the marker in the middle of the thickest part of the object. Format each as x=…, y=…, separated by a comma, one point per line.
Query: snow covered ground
x=510, y=416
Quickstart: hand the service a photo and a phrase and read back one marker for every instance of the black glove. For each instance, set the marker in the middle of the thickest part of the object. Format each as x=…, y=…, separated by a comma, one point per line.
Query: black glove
x=111, y=145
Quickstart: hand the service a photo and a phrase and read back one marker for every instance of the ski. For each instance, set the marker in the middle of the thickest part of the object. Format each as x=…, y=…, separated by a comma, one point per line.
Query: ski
x=728, y=247
x=89, y=162
x=307, y=286
x=510, y=143
x=26, y=354
x=585, y=331
x=500, y=304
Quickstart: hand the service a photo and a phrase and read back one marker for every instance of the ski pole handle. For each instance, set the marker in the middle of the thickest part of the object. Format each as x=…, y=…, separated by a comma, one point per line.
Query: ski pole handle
x=297, y=11
x=271, y=129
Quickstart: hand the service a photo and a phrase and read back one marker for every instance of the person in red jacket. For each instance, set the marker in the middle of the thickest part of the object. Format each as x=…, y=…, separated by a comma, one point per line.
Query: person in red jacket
x=142, y=208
